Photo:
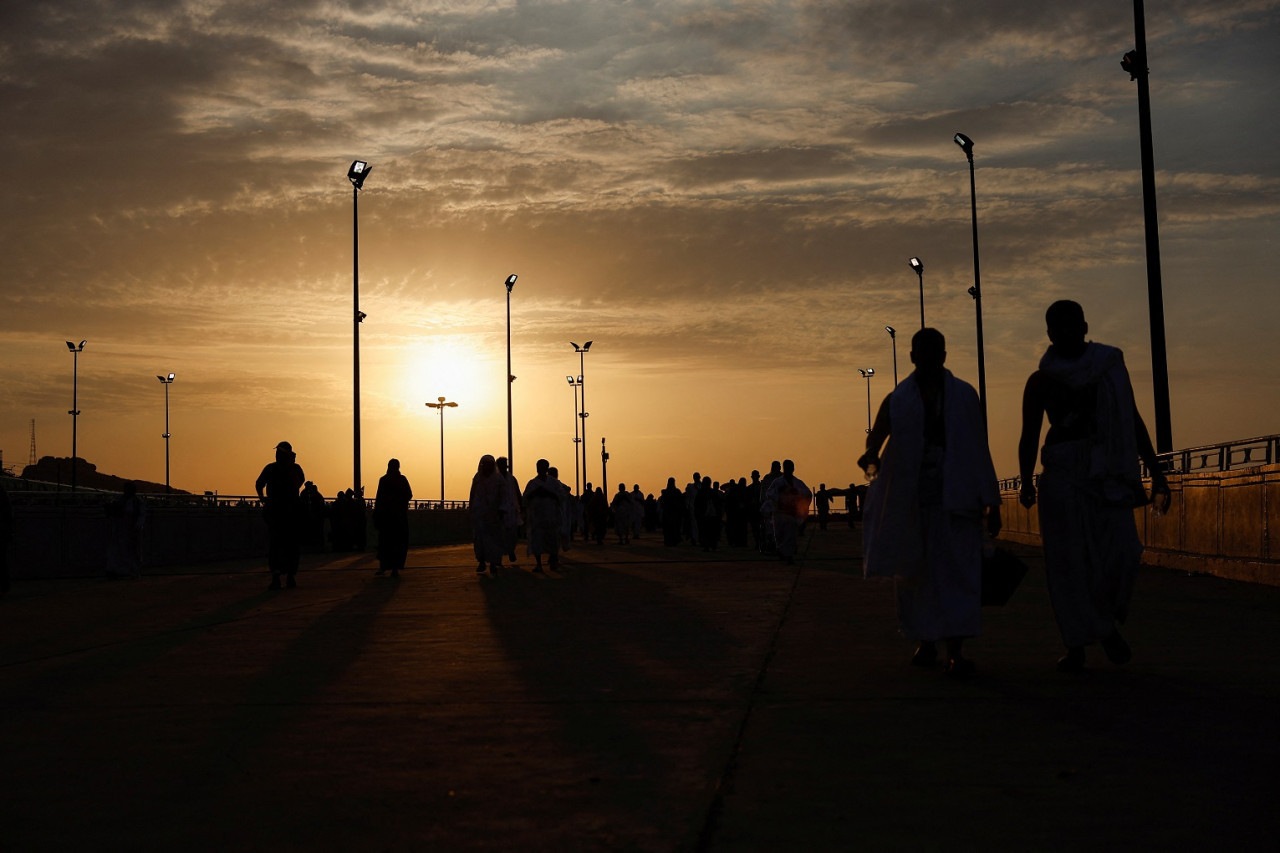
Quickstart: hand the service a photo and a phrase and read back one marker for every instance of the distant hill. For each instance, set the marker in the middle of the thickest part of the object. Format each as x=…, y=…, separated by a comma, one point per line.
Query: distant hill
x=57, y=469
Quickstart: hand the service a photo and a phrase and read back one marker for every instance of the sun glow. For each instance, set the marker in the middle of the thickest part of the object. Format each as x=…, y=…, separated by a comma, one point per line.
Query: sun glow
x=452, y=367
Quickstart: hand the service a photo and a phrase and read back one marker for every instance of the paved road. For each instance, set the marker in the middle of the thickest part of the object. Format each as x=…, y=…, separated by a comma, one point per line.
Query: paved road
x=642, y=699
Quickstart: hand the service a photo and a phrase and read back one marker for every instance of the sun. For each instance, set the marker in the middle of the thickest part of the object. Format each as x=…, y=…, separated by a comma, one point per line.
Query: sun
x=452, y=368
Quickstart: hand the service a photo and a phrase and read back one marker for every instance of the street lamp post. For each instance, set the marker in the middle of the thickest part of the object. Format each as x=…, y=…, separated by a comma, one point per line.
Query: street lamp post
x=893, y=338
x=166, y=381
x=918, y=266
x=356, y=174
x=75, y=402
x=511, y=462
x=1135, y=62
x=867, y=373
x=575, y=384
x=582, y=372
x=966, y=144
x=604, y=467
x=442, y=405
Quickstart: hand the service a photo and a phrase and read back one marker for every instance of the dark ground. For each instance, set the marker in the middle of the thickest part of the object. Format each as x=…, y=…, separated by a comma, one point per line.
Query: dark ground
x=644, y=698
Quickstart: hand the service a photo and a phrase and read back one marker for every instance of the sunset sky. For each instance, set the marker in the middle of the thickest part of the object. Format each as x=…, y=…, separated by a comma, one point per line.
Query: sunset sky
x=723, y=196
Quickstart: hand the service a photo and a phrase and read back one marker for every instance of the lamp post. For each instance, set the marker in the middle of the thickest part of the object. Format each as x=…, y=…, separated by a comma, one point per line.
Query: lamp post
x=966, y=144
x=441, y=406
x=1135, y=62
x=893, y=338
x=75, y=402
x=604, y=467
x=511, y=462
x=166, y=381
x=356, y=174
x=867, y=373
x=918, y=266
x=575, y=384
x=582, y=372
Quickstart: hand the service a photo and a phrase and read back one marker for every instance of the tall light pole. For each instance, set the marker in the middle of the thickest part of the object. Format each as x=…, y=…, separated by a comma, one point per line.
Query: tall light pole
x=582, y=372
x=918, y=266
x=442, y=405
x=511, y=462
x=75, y=402
x=867, y=373
x=356, y=174
x=575, y=384
x=166, y=381
x=1135, y=62
x=893, y=338
x=966, y=144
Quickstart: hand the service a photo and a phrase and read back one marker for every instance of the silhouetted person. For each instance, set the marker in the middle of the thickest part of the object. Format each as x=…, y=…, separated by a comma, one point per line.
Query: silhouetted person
x=512, y=510
x=542, y=498
x=277, y=488
x=671, y=508
x=690, y=508
x=1089, y=484
x=637, y=510
x=922, y=523
x=766, y=508
x=6, y=536
x=598, y=512
x=735, y=513
x=391, y=518
x=823, y=500
x=314, y=512
x=790, y=499
x=485, y=506
x=754, y=498
x=622, y=510
x=566, y=512
x=359, y=520
x=340, y=522
x=706, y=509
x=651, y=514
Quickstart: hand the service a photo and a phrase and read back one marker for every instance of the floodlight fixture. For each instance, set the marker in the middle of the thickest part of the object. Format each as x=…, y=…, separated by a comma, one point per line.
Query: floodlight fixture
x=358, y=172
x=965, y=143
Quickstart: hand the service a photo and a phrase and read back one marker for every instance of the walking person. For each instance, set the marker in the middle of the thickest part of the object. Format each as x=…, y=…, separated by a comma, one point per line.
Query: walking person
x=511, y=510
x=542, y=498
x=485, y=507
x=922, y=523
x=790, y=499
x=277, y=487
x=391, y=518
x=1089, y=483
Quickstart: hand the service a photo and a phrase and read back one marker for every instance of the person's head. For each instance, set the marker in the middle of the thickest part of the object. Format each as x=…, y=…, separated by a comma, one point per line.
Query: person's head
x=542, y=467
x=487, y=465
x=928, y=350
x=755, y=475
x=393, y=466
x=822, y=486
x=788, y=467
x=553, y=471
x=671, y=482
x=622, y=487
x=1066, y=324
x=775, y=467
x=284, y=452
x=697, y=478
x=502, y=464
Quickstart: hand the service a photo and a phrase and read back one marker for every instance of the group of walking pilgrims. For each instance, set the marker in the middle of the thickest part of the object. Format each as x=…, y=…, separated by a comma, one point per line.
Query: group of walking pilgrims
x=932, y=505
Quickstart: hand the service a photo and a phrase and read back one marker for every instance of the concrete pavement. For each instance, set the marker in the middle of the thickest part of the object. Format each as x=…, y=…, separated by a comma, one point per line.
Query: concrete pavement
x=643, y=698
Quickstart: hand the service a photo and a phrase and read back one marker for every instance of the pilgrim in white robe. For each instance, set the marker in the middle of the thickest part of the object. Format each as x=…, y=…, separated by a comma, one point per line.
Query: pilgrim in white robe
x=789, y=499
x=1087, y=491
x=922, y=520
x=542, y=499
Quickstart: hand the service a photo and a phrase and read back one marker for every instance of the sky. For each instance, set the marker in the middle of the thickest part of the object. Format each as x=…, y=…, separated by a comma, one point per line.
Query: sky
x=722, y=196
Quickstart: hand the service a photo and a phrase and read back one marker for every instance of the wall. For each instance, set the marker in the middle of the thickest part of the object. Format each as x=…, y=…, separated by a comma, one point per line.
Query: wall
x=1225, y=523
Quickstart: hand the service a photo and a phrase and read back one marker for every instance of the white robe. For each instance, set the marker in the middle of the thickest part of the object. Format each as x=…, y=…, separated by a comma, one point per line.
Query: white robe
x=1087, y=491
x=789, y=501
x=542, y=500
x=932, y=545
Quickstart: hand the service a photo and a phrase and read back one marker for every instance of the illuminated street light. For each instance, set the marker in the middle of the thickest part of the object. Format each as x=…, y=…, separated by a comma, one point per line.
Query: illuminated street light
x=166, y=381
x=356, y=174
x=893, y=337
x=966, y=144
x=918, y=266
x=867, y=373
x=75, y=404
x=511, y=461
x=442, y=405
x=582, y=372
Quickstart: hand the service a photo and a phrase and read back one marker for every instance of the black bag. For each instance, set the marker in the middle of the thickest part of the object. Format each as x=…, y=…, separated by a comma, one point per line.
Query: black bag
x=1002, y=571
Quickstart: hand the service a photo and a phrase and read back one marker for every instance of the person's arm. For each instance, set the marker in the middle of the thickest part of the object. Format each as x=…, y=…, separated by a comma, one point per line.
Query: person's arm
x=1028, y=443
x=880, y=431
x=1160, y=495
x=261, y=482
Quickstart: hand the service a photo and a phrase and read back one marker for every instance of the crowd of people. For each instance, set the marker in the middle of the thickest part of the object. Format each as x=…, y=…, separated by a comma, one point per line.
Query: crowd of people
x=928, y=514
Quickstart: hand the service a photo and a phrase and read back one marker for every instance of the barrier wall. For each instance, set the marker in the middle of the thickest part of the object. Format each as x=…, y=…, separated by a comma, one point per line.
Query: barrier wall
x=1225, y=523
x=73, y=540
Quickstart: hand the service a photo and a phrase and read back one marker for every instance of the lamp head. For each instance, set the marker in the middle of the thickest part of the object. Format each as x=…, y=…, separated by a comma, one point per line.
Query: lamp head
x=892, y=332
x=358, y=172
x=585, y=346
x=511, y=281
x=1130, y=63
x=917, y=265
x=965, y=143
x=569, y=379
x=71, y=347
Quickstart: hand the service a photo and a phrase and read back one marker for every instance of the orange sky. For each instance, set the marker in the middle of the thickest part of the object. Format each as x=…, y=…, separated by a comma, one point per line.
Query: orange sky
x=723, y=196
